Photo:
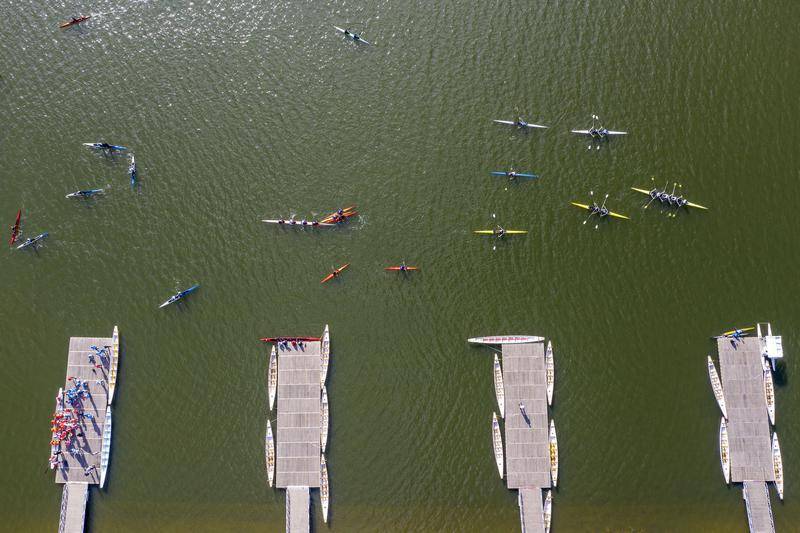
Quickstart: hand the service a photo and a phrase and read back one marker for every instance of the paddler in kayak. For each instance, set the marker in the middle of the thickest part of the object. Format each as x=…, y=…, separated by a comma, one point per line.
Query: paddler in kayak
x=499, y=231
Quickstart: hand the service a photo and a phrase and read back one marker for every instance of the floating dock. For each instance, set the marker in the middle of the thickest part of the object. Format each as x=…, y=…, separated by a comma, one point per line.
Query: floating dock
x=526, y=435
x=299, y=428
x=743, y=364
x=79, y=463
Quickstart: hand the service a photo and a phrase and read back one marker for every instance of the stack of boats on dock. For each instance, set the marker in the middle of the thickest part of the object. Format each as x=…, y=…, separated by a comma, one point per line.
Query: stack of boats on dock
x=770, y=350
x=500, y=394
x=272, y=386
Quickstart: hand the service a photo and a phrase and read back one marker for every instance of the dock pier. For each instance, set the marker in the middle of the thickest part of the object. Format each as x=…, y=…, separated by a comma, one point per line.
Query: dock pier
x=746, y=365
x=302, y=372
x=78, y=464
x=528, y=463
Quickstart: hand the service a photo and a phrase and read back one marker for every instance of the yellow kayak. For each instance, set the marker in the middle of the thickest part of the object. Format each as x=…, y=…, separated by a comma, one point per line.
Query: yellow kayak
x=610, y=213
x=740, y=330
x=496, y=232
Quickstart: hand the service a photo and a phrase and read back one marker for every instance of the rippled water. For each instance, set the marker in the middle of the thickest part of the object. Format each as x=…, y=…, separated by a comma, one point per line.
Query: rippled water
x=241, y=111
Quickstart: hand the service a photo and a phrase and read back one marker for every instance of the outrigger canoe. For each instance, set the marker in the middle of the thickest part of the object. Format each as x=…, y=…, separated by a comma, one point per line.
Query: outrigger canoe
x=32, y=241
x=84, y=194
x=179, y=296
x=596, y=209
x=352, y=36
x=511, y=174
x=15, y=229
x=519, y=124
x=498, y=233
x=335, y=273
x=74, y=21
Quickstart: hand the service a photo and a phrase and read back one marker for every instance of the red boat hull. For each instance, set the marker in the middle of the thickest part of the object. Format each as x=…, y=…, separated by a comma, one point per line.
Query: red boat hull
x=15, y=229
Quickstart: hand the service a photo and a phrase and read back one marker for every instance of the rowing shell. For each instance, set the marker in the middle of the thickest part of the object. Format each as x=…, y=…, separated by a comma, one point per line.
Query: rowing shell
x=550, y=371
x=269, y=445
x=769, y=394
x=272, y=376
x=179, y=296
x=505, y=339
x=553, y=454
x=352, y=36
x=495, y=232
x=324, y=356
x=109, y=147
x=777, y=465
x=401, y=269
x=76, y=20
x=514, y=123
x=307, y=224
x=34, y=240
x=324, y=488
x=688, y=204
x=84, y=194
x=335, y=273
x=517, y=175
x=610, y=213
x=15, y=229
x=499, y=389
x=323, y=433
x=724, y=450
x=716, y=386
x=610, y=132
x=497, y=440
x=113, y=364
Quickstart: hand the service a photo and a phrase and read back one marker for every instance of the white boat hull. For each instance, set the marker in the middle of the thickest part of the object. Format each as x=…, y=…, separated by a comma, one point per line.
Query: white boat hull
x=547, y=510
x=269, y=451
x=553, y=454
x=724, y=450
x=777, y=465
x=113, y=364
x=325, y=355
x=505, y=339
x=323, y=434
x=272, y=376
x=105, y=450
x=497, y=442
x=716, y=386
x=769, y=394
x=499, y=389
x=324, y=488
x=550, y=370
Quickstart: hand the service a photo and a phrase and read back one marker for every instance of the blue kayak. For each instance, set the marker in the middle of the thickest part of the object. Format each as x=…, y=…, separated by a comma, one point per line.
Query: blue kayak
x=105, y=146
x=32, y=241
x=513, y=174
x=179, y=296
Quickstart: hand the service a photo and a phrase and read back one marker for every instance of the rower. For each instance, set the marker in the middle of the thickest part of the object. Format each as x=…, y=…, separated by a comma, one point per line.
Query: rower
x=315, y=223
x=340, y=212
x=500, y=231
x=511, y=174
x=304, y=222
x=105, y=146
x=403, y=267
x=281, y=221
x=521, y=123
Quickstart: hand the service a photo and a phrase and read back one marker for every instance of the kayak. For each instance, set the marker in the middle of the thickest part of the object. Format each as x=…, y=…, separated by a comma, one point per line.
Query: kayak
x=610, y=213
x=401, y=269
x=99, y=146
x=84, y=194
x=289, y=339
x=495, y=232
x=312, y=224
x=516, y=175
x=179, y=296
x=75, y=20
x=132, y=170
x=521, y=125
x=15, y=229
x=335, y=273
x=346, y=213
x=32, y=241
x=352, y=36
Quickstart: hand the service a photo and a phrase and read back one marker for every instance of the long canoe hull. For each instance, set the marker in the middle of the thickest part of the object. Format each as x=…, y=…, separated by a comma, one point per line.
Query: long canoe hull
x=553, y=441
x=608, y=133
x=296, y=224
x=497, y=442
x=324, y=488
x=323, y=434
x=499, y=388
x=113, y=364
x=550, y=374
x=269, y=451
x=716, y=386
x=724, y=450
x=769, y=394
x=505, y=339
x=514, y=123
x=272, y=376
x=15, y=229
x=105, y=450
x=324, y=356
x=777, y=465
x=496, y=233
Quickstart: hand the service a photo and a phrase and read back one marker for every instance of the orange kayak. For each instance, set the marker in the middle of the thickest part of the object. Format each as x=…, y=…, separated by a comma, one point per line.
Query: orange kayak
x=75, y=20
x=335, y=273
x=346, y=213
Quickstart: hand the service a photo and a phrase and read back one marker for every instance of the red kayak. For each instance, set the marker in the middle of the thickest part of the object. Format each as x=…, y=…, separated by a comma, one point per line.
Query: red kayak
x=401, y=269
x=335, y=273
x=289, y=339
x=74, y=20
x=15, y=229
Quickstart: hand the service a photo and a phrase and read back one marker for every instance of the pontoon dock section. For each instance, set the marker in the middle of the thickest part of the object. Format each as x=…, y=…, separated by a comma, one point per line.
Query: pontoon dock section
x=526, y=442
x=743, y=365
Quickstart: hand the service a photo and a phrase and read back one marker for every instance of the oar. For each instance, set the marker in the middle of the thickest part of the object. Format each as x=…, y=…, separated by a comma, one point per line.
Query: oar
x=591, y=194
x=652, y=179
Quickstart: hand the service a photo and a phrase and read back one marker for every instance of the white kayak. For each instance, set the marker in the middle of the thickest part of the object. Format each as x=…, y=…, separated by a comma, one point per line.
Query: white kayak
x=521, y=125
x=724, y=450
x=323, y=433
x=352, y=36
x=716, y=386
x=547, y=510
x=325, y=356
x=499, y=389
x=272, y=376
x=550, y=371
x=505, y=339
x=497, y=441
x=777, y=465
x=553, y=454
x=769, y=394
x=269, y=445
x=298, y=223
x=598, y=133
x=324, y=489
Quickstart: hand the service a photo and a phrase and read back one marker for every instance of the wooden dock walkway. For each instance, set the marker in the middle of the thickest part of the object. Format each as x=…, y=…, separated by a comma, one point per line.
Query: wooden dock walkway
x=84, y=453
x=749, y=434
x=530, y=511
x=298, y=506
x=759, y=511
x=527, y=447
x=299, y=412
x=73, y=507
